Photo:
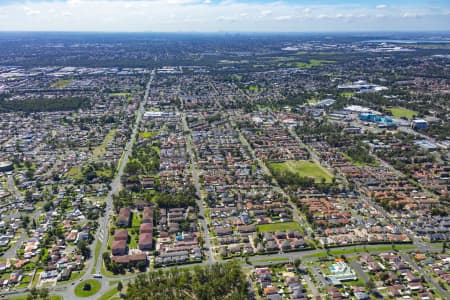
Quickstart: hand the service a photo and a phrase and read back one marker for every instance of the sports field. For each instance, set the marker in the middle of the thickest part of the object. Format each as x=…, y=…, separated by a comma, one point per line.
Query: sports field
x=400, y=112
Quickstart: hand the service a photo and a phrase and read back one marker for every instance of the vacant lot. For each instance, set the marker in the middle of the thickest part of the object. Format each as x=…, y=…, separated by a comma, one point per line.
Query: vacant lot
x=400, y=112
x=279, y=226
x=304, y=169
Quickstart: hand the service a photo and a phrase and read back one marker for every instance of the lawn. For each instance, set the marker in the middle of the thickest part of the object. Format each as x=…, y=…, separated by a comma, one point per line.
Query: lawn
x=279, y=226
x=25, y=297
x=136, y=219
x=369, y=248
x=119, y=94
x=74, y=172
x=304, y=168
x=359, y=163
x=81, y=292
x=254, y=88
x=61, y=83
x=272, y=259
x=98, y=247
x=146, y=135
x=400, y=112
x=347, y=94
x=109, y=294
x=312, y=63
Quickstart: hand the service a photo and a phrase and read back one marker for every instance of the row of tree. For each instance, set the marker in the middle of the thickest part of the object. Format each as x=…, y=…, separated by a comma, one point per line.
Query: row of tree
x=39, y=105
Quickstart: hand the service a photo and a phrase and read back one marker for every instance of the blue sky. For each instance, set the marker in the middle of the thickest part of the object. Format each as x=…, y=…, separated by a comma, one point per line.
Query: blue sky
x=225, y=15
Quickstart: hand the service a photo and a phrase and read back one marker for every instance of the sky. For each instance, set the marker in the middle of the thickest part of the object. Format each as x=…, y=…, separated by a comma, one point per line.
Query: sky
x=224, y=15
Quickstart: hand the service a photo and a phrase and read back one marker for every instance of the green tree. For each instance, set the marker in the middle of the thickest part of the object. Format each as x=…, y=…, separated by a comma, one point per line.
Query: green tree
x=83, y=249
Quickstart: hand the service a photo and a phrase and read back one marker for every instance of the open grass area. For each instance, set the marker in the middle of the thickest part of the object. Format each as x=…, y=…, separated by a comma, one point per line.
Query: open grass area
x=369, y=248
x=25, y=297
x=254, y=88
x=312, y=63
x=98, y=247
x=271, y=259
x=347, y=94
x=305, y=169
x=134, y=236
x=146, y=135
x=400, y=112
x=61, y=83
x=359, y=163
x=101, y=149
x=74, y=173
x=81, y=291
x=109, y=294
x=120, y=94
x=279, y=226
x=136, y=220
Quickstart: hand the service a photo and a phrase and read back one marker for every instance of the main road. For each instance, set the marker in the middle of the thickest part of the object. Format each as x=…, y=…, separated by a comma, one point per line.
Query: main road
x=196, y=180
x=103, y=232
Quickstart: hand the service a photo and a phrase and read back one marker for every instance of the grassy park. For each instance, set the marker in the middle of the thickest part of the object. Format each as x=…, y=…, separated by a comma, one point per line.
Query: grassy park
x=303, y=168
x=146, y=135
x=278, y=227
x=61, y=83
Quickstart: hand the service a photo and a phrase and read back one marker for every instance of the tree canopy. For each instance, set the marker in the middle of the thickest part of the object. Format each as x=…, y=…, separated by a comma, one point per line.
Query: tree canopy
x=219, y=281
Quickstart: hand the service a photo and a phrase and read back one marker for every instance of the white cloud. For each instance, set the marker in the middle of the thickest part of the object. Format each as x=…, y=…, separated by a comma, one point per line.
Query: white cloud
x=411, y=15
x=283, y=18
x=74, y=2
x=31, y=12
x=209, y=15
